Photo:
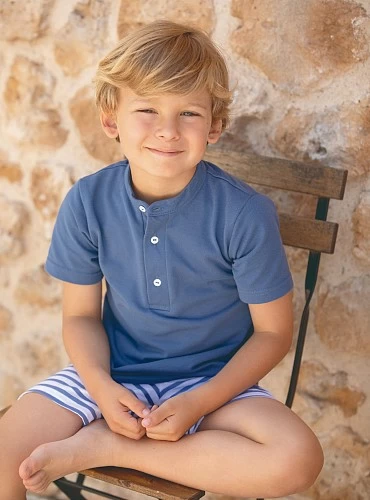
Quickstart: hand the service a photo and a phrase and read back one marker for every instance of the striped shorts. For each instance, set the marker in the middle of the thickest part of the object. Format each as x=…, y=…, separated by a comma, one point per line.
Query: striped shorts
x=66, y=389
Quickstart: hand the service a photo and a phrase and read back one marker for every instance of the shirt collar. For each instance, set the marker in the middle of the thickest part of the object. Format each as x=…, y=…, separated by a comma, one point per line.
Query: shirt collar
x=169, y=205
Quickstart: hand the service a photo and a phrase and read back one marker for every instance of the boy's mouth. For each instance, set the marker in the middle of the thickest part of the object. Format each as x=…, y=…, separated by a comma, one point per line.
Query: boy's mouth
x=165, y=152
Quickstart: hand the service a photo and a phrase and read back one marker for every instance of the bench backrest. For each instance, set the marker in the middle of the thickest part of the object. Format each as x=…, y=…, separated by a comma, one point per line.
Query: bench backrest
x=314, y=234
x=324, y=183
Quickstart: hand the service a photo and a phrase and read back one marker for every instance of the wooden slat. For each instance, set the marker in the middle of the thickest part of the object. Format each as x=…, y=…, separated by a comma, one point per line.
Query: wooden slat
x=144, y=483
x=309, y=178
x=311, y=234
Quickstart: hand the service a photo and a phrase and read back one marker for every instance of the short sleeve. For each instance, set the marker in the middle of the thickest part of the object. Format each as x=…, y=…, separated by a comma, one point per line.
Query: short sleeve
x=73, y=256
x=260, y=267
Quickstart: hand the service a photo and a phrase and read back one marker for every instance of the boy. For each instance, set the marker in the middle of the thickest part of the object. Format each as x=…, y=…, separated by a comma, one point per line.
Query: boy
x=198, y=305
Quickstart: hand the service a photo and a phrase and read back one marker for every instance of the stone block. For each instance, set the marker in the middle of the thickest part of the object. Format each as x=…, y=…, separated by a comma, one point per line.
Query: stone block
x=86, y=117
x=10, y=171
x=300, y=45
x=346, y=470
x=327, y=388
x=342, y=317
x=47, y=187
x=41, y=354
x=33, y=119
x=82, y=41
x=338, y=137
x=13, y=218
x=6, y=320
x=361, y=229
x=26, y=20
x=135, y=13
x=37, y=289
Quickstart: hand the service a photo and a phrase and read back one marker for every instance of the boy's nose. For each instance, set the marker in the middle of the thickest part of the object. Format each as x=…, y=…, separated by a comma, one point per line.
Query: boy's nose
x=168, y=130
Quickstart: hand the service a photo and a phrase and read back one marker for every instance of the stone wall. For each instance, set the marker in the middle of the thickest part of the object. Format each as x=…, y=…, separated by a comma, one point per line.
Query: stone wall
x=301, y=72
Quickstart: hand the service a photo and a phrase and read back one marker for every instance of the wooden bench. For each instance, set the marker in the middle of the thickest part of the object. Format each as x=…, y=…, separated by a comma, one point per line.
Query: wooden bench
x=310, y=232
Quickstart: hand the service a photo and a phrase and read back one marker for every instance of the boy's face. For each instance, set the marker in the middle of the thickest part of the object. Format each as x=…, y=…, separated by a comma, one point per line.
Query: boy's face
x=164, y=137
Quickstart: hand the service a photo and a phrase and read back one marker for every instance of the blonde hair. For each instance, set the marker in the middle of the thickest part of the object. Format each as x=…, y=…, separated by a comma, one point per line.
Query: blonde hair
x=164, y=57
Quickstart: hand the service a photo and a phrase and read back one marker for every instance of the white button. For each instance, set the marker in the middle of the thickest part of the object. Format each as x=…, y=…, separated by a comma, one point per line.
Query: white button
x=142, y=209
x=154, y=240
x=157, y=282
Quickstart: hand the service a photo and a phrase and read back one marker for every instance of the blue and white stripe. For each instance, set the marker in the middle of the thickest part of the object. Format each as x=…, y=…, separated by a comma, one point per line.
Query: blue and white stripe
x=66, y=389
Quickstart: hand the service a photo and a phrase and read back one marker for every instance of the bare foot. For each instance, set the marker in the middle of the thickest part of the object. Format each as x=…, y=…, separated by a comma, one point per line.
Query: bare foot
x=51, y=461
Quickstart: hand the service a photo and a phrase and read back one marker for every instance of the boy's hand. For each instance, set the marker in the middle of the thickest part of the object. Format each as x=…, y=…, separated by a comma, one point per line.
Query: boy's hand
x=172, y=419
x=116, y=405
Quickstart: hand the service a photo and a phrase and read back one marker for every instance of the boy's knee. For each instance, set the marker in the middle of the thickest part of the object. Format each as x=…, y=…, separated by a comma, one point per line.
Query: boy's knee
x=310, y=468
x=299, y=467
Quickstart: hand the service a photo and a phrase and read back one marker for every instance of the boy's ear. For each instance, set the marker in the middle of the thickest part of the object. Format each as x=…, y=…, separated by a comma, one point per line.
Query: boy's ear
x=215, y=131
x=109, y=125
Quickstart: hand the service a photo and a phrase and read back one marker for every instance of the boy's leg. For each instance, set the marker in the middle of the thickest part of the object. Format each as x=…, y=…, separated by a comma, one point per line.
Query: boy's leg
x=251, y=447
x=31, y=421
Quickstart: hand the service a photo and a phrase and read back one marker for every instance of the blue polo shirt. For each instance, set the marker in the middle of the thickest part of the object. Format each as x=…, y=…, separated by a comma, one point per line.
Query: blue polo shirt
x=180, y=272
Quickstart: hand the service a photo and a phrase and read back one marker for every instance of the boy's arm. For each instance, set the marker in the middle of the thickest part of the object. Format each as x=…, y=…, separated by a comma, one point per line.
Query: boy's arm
x=87, y=346
x=271, y=341
x=273, y=330
x=84, y=337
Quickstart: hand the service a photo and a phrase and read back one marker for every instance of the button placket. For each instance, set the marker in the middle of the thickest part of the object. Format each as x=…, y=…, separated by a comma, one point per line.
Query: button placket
x=155, y=262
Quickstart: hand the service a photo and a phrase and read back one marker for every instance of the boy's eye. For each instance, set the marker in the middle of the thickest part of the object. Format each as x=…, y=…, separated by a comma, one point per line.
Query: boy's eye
x=189, y=113
x=150, y=111
x=146, y=110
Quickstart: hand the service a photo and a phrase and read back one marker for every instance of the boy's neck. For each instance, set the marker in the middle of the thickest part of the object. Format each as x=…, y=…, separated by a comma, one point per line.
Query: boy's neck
x=156, y=188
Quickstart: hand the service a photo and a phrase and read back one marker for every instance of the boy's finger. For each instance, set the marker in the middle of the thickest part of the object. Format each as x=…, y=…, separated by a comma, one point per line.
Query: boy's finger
x=162, y=429
x=135, y=405
x=158, y=437
x=163, y=432
x=131, y=427
x=133, y=434
x=140, y=420
x=156, y=416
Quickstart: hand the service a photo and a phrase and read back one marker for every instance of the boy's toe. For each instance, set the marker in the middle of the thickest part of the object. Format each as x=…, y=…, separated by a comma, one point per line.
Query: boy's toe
x=37, y=483
x=33, y=464
x=27, y=469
